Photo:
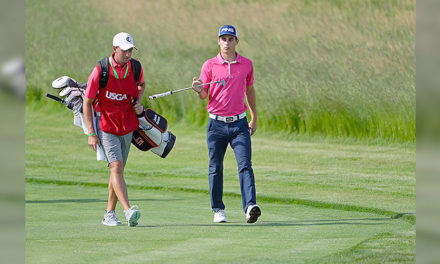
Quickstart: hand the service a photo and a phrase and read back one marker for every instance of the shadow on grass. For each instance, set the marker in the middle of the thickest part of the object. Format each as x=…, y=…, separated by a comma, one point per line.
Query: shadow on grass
x=354, y=221
x=91, y=201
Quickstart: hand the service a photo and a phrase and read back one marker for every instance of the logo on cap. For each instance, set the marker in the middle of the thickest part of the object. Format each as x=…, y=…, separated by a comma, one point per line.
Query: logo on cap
x=227, y=30
x=128, y=39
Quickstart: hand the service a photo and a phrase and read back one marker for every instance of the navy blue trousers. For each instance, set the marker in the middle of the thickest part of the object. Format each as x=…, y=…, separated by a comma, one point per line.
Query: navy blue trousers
x=219, y=135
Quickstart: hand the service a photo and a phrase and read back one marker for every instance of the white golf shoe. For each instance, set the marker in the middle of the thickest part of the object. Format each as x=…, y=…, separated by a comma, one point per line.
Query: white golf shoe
x=220, y=216
x=110, y=219
x=132, y=215
x=252, y=213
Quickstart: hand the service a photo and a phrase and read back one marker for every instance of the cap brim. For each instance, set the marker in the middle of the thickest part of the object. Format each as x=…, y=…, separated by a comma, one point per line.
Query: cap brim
x=127, y=47
x=227, y=34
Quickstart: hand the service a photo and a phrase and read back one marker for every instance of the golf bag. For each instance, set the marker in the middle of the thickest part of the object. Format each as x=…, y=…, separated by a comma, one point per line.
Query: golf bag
x=152, y=133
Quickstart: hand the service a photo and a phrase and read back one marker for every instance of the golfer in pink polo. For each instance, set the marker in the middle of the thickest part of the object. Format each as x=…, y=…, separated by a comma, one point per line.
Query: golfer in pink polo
x=227, y=121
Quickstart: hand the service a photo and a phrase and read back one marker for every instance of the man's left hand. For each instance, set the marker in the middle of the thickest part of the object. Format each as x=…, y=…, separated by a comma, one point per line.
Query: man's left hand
x=252, y=127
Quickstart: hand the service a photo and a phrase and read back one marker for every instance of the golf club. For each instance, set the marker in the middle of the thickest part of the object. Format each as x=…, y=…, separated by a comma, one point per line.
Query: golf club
x=56, y=98
x=222, y=82
x=74, y=101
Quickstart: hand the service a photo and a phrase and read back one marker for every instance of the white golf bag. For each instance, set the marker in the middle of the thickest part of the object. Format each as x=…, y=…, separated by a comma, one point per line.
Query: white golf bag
x=153, y=134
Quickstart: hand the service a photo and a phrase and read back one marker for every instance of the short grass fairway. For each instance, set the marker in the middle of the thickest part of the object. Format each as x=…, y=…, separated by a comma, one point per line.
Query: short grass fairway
x=176, y=227
x=322, y=201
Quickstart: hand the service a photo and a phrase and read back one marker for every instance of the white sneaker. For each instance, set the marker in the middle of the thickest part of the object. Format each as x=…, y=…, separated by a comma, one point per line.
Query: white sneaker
x=252, y=213
x=132, y=215
x=111, y=219
x=220, y=216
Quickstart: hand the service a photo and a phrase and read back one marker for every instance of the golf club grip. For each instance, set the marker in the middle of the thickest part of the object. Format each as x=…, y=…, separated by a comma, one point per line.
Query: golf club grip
x=56, y=98
x=160, y=95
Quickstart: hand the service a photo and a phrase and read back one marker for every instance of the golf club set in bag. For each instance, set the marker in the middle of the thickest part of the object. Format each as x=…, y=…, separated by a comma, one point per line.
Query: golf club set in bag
x=152, y=133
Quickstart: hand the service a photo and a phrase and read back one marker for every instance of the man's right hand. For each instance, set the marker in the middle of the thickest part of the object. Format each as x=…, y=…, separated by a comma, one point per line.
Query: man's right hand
x=196, y=85
x=94, y=142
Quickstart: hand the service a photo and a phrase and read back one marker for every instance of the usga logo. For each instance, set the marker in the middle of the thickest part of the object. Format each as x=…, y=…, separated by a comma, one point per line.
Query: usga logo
x=115, y=96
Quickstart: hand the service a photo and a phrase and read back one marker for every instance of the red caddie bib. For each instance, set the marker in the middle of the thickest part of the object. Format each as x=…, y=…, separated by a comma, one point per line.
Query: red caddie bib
x=115, y=101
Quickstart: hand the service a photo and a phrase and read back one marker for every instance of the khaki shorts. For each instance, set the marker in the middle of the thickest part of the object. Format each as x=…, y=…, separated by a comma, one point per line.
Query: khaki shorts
x=115, y=147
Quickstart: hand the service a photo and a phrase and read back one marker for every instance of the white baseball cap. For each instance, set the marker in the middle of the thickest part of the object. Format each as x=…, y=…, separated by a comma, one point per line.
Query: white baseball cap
x=123, y=40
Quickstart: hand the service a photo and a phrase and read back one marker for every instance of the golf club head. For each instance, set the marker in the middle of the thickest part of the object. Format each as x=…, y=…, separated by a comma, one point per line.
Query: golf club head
x=67, y=90
x=73, y=95
x=66, y=81
x=61, y=82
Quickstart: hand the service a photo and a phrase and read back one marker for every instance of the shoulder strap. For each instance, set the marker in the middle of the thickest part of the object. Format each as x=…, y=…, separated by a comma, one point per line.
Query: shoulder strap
x=136, y=66
x=103, y=78
x=104, y=67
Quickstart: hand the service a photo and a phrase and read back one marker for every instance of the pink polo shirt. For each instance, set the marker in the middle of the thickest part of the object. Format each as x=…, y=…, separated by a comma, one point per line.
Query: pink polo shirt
x=227, y=100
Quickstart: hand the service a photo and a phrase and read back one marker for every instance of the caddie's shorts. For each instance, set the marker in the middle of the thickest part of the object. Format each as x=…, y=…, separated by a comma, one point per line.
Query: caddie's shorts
x=115, y=147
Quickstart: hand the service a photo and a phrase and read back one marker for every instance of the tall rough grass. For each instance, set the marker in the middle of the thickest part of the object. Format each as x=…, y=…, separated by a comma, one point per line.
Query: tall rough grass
x=336, y=68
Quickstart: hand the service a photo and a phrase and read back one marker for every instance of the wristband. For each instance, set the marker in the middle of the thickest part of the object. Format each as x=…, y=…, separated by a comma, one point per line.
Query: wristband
x=93, y=134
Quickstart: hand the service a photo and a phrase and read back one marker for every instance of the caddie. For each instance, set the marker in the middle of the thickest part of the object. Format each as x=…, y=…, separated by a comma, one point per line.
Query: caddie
x=227, y=121
x=115, y=111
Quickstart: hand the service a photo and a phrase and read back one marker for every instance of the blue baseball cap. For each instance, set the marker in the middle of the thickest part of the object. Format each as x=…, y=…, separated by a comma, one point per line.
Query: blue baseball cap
x=227, y=30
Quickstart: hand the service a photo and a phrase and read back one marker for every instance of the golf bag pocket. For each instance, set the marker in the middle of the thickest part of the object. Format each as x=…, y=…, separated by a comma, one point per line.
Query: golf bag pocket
x=156, y=120
x=142, y=141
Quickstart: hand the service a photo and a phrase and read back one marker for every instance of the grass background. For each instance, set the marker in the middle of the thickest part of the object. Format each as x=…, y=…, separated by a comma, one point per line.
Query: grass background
x=333, y=68
x=334, y=155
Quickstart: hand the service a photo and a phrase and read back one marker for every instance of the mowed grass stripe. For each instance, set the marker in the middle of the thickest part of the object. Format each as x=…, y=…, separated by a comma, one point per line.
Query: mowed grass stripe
x=371, y=251
x=191, y=175
x=411, y=218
